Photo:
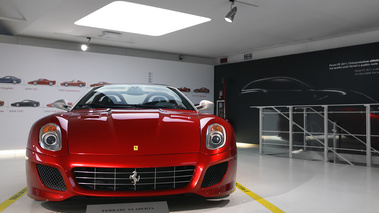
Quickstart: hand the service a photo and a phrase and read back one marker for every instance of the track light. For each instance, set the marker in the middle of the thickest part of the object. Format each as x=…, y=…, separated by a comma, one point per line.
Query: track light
x=230, y=16
x=233, y=10
x=84, y=47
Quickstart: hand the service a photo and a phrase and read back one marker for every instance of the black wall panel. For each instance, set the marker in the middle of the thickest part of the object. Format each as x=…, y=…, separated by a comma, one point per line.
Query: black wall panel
x=348, y=75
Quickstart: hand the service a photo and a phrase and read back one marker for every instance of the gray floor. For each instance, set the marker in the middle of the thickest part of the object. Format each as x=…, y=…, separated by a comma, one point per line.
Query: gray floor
x=291, y=185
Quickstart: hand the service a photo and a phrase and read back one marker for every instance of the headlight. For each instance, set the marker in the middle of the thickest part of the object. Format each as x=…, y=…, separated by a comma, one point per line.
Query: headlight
x=216, y=136
x=50, y=137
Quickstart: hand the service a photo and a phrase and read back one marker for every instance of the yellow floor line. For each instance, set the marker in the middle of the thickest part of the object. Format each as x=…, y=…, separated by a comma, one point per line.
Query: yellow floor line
x=256, y=197
x=12, y=199
x=259, y=199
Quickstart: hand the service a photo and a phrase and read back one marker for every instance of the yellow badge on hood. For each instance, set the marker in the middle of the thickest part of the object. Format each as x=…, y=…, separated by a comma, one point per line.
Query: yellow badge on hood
x=135, y=148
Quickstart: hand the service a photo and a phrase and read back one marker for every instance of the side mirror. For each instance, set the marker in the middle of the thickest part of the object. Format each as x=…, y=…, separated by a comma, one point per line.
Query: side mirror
x=204, y=105
x=62, y=104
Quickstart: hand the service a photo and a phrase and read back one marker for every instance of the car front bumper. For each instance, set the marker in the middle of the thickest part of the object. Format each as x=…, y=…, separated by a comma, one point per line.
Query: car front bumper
x=64, y=165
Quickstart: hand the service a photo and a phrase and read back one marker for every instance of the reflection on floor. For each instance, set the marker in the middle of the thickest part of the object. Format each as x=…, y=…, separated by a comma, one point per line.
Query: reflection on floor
x=292, y=185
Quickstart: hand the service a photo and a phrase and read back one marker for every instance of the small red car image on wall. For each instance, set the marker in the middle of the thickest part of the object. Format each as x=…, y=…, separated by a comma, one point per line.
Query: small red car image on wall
x=75, y=83
x=99, y=84
x=42, y=81
x=202, y=90
x=184, y=89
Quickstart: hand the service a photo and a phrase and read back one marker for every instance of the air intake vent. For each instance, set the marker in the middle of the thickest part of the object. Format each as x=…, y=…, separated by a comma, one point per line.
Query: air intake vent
x=133, y=179
x=51, y=177
x=214, y=174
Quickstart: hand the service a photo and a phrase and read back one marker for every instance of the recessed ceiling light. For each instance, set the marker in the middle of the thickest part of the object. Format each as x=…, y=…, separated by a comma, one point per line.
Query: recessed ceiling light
x=141, y=19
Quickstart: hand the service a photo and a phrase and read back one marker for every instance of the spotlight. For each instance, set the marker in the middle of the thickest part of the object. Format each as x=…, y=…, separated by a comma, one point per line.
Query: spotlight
x=233, y=10
x=84, y=47
x=230, y=16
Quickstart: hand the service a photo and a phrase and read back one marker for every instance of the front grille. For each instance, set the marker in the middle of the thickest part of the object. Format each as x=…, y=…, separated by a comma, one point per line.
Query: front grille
x=214, y=175
x=51, y=177
x=120, y=179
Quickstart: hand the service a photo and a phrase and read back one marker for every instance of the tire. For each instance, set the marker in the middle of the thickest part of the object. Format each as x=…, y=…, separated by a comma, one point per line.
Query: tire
x=66, y=84
x=51, y=83
x=80, y=85
x=35, y=82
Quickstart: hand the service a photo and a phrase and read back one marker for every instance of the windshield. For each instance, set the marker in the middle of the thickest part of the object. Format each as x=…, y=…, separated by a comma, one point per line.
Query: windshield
x=134, y=96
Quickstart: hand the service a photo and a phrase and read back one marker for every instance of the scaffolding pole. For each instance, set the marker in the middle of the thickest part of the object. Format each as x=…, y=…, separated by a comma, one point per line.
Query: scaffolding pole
x=368, y=136
x=325, y=133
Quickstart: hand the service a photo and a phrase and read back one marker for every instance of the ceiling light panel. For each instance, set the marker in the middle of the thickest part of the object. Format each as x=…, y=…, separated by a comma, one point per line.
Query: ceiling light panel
x=141, y=19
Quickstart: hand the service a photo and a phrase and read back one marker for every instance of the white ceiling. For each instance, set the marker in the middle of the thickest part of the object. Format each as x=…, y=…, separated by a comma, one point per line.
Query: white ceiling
x=272, y=23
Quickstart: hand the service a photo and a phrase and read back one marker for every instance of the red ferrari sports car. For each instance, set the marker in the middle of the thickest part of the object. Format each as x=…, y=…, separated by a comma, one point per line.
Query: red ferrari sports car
x=130, y=141
x=42, y=81
x=184, y=89
x=75, y=83
x=99, y=84
x=202, y=89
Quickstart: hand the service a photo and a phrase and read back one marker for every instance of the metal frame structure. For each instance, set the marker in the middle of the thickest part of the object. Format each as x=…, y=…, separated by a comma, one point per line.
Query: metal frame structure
x=331, y=130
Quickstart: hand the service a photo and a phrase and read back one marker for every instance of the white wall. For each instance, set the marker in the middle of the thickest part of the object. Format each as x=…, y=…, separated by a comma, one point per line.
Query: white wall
x=31, y=63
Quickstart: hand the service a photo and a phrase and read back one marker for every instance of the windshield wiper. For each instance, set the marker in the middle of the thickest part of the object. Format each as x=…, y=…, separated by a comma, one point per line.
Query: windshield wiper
x=144, y=106
x=96, y=106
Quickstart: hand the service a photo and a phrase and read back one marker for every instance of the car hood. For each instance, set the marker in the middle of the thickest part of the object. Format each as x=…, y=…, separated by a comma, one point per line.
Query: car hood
x=133, y=132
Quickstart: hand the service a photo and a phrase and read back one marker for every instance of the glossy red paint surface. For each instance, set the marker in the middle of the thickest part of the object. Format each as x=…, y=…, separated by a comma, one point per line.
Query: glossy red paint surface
x=101, y=138
x=153, y=131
